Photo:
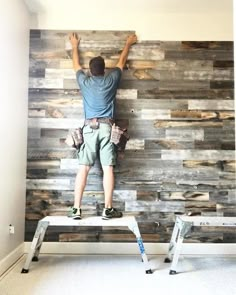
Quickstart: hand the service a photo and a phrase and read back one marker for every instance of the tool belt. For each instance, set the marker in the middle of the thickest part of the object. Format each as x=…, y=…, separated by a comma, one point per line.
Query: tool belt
x=94, y=123
x=75, y=138
x=119, y=137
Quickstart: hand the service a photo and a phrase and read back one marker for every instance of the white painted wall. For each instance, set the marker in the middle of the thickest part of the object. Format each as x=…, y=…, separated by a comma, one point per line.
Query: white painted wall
x=14, y=51
x=151, y=19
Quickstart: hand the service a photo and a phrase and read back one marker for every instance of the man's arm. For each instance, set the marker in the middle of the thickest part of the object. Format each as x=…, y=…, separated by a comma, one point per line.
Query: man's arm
x=125, y=52
x=74, y=40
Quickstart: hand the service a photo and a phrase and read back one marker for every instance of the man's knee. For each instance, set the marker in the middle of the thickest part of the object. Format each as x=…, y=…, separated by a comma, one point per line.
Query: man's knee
x=84, y=168
x=108, y=169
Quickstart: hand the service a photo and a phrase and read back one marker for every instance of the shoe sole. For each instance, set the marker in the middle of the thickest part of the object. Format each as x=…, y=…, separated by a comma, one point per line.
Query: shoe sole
x=107, y=218
x=77, y=217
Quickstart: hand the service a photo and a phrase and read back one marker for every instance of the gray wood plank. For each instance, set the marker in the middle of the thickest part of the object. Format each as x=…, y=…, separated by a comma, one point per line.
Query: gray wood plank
x=154, y=206
x=200, y=54
x=214, y=155
x=211, y=105
x=186, y=94
x=55, y=123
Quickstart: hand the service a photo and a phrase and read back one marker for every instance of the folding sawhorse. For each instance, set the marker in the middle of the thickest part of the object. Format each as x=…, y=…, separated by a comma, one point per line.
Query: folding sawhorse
x=44, y=223
x=184, y=225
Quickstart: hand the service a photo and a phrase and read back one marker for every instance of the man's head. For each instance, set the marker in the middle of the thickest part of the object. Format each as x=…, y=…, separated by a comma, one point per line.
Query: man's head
x=97, y=66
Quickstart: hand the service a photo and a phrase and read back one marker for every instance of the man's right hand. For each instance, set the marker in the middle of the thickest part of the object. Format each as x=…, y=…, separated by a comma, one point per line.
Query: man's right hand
x=74, y=40
x=131, y=39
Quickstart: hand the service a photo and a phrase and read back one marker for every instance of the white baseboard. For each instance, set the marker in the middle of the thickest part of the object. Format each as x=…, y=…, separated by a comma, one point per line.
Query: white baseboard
x=11, y=258
x=132, y=248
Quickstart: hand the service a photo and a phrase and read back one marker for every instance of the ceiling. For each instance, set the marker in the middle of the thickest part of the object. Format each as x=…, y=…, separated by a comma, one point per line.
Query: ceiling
x=134, y=6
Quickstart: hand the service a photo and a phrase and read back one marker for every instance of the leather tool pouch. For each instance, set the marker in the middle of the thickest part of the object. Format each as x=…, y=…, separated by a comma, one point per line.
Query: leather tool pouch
x=119, y=137
x=75, y=138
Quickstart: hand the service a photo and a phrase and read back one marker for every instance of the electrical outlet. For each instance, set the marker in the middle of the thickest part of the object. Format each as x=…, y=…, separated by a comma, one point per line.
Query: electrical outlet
x=11, y=229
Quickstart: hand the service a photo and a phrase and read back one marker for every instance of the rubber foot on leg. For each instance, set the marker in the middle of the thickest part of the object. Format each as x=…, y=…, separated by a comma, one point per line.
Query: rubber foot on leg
x=167, y=260
x=172, y=272
x=24, y=270
x=35, y=258
x=148, y=271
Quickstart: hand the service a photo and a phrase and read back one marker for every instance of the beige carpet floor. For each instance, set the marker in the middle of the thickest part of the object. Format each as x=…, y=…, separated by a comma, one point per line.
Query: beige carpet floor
x=120, y=274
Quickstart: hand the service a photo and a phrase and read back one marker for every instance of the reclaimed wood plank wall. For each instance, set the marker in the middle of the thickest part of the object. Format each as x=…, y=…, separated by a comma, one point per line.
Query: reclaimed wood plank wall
x=178, y=101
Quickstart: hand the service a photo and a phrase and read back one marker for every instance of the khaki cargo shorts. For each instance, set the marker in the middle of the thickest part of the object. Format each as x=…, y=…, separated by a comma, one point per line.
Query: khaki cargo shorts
x=97, y=145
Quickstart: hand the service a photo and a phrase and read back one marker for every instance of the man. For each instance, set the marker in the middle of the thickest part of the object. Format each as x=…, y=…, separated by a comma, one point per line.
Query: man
x=99, y=94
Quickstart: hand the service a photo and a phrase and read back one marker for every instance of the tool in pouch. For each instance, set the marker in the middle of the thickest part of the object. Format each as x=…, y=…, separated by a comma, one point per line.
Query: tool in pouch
x=75, y=138
x=119, y=137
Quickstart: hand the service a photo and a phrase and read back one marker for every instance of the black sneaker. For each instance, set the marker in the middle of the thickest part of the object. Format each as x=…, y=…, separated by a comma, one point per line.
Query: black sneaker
x=75, y=213
x=109, y=213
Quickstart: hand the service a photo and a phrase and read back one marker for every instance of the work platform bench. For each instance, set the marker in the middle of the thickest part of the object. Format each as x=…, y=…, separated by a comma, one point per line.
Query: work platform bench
x=43, y=224
x=183, y=227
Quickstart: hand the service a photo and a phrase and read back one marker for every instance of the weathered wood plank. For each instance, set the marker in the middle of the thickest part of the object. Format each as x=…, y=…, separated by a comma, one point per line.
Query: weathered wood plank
x=227, y=209
x=201, y=115
x=43, y=164
x=229, y=166
x=200, y=163
x=192, y=115
x=184, y=134
x=49, y=184
x=55, y=123
x=211, y=105
x=187, y=124
x=201, y=54
x=36, y=113
x=33, y=133
x=198, y=154
x=168, y=144
x=207, y=145
x=55, y=153
x=36, y=65
x=219, y=133
x=186, y=175
x=46, y=83
x=155, y=114
x=163, y=206
x=85, y=35
x=160, y=65
x=185, y=196
x=228, y=145
x=213, y=45
x=197, y=207
x=221, y=84
x=186, y=94
x=184, y=84
x=223, y=64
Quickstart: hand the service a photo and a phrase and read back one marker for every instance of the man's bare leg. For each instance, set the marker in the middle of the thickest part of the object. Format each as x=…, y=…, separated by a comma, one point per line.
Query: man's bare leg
x=108, y=184
x=80, y=183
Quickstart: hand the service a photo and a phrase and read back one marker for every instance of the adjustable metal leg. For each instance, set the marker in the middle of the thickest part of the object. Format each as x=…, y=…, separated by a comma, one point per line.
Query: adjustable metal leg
x=135, y=229
x=183, y=228
x=36, y=244
x=172, y=243
x=176, y=255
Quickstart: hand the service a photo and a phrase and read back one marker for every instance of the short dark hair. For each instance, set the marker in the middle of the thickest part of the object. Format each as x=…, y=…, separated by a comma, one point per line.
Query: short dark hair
x=97, y=66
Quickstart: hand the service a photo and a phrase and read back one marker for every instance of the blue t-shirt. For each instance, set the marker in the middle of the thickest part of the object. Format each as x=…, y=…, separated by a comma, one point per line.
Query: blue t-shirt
x=99, y=93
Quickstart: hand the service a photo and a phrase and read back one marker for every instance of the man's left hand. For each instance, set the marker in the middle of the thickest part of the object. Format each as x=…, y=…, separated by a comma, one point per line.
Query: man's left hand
x=74, y=40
